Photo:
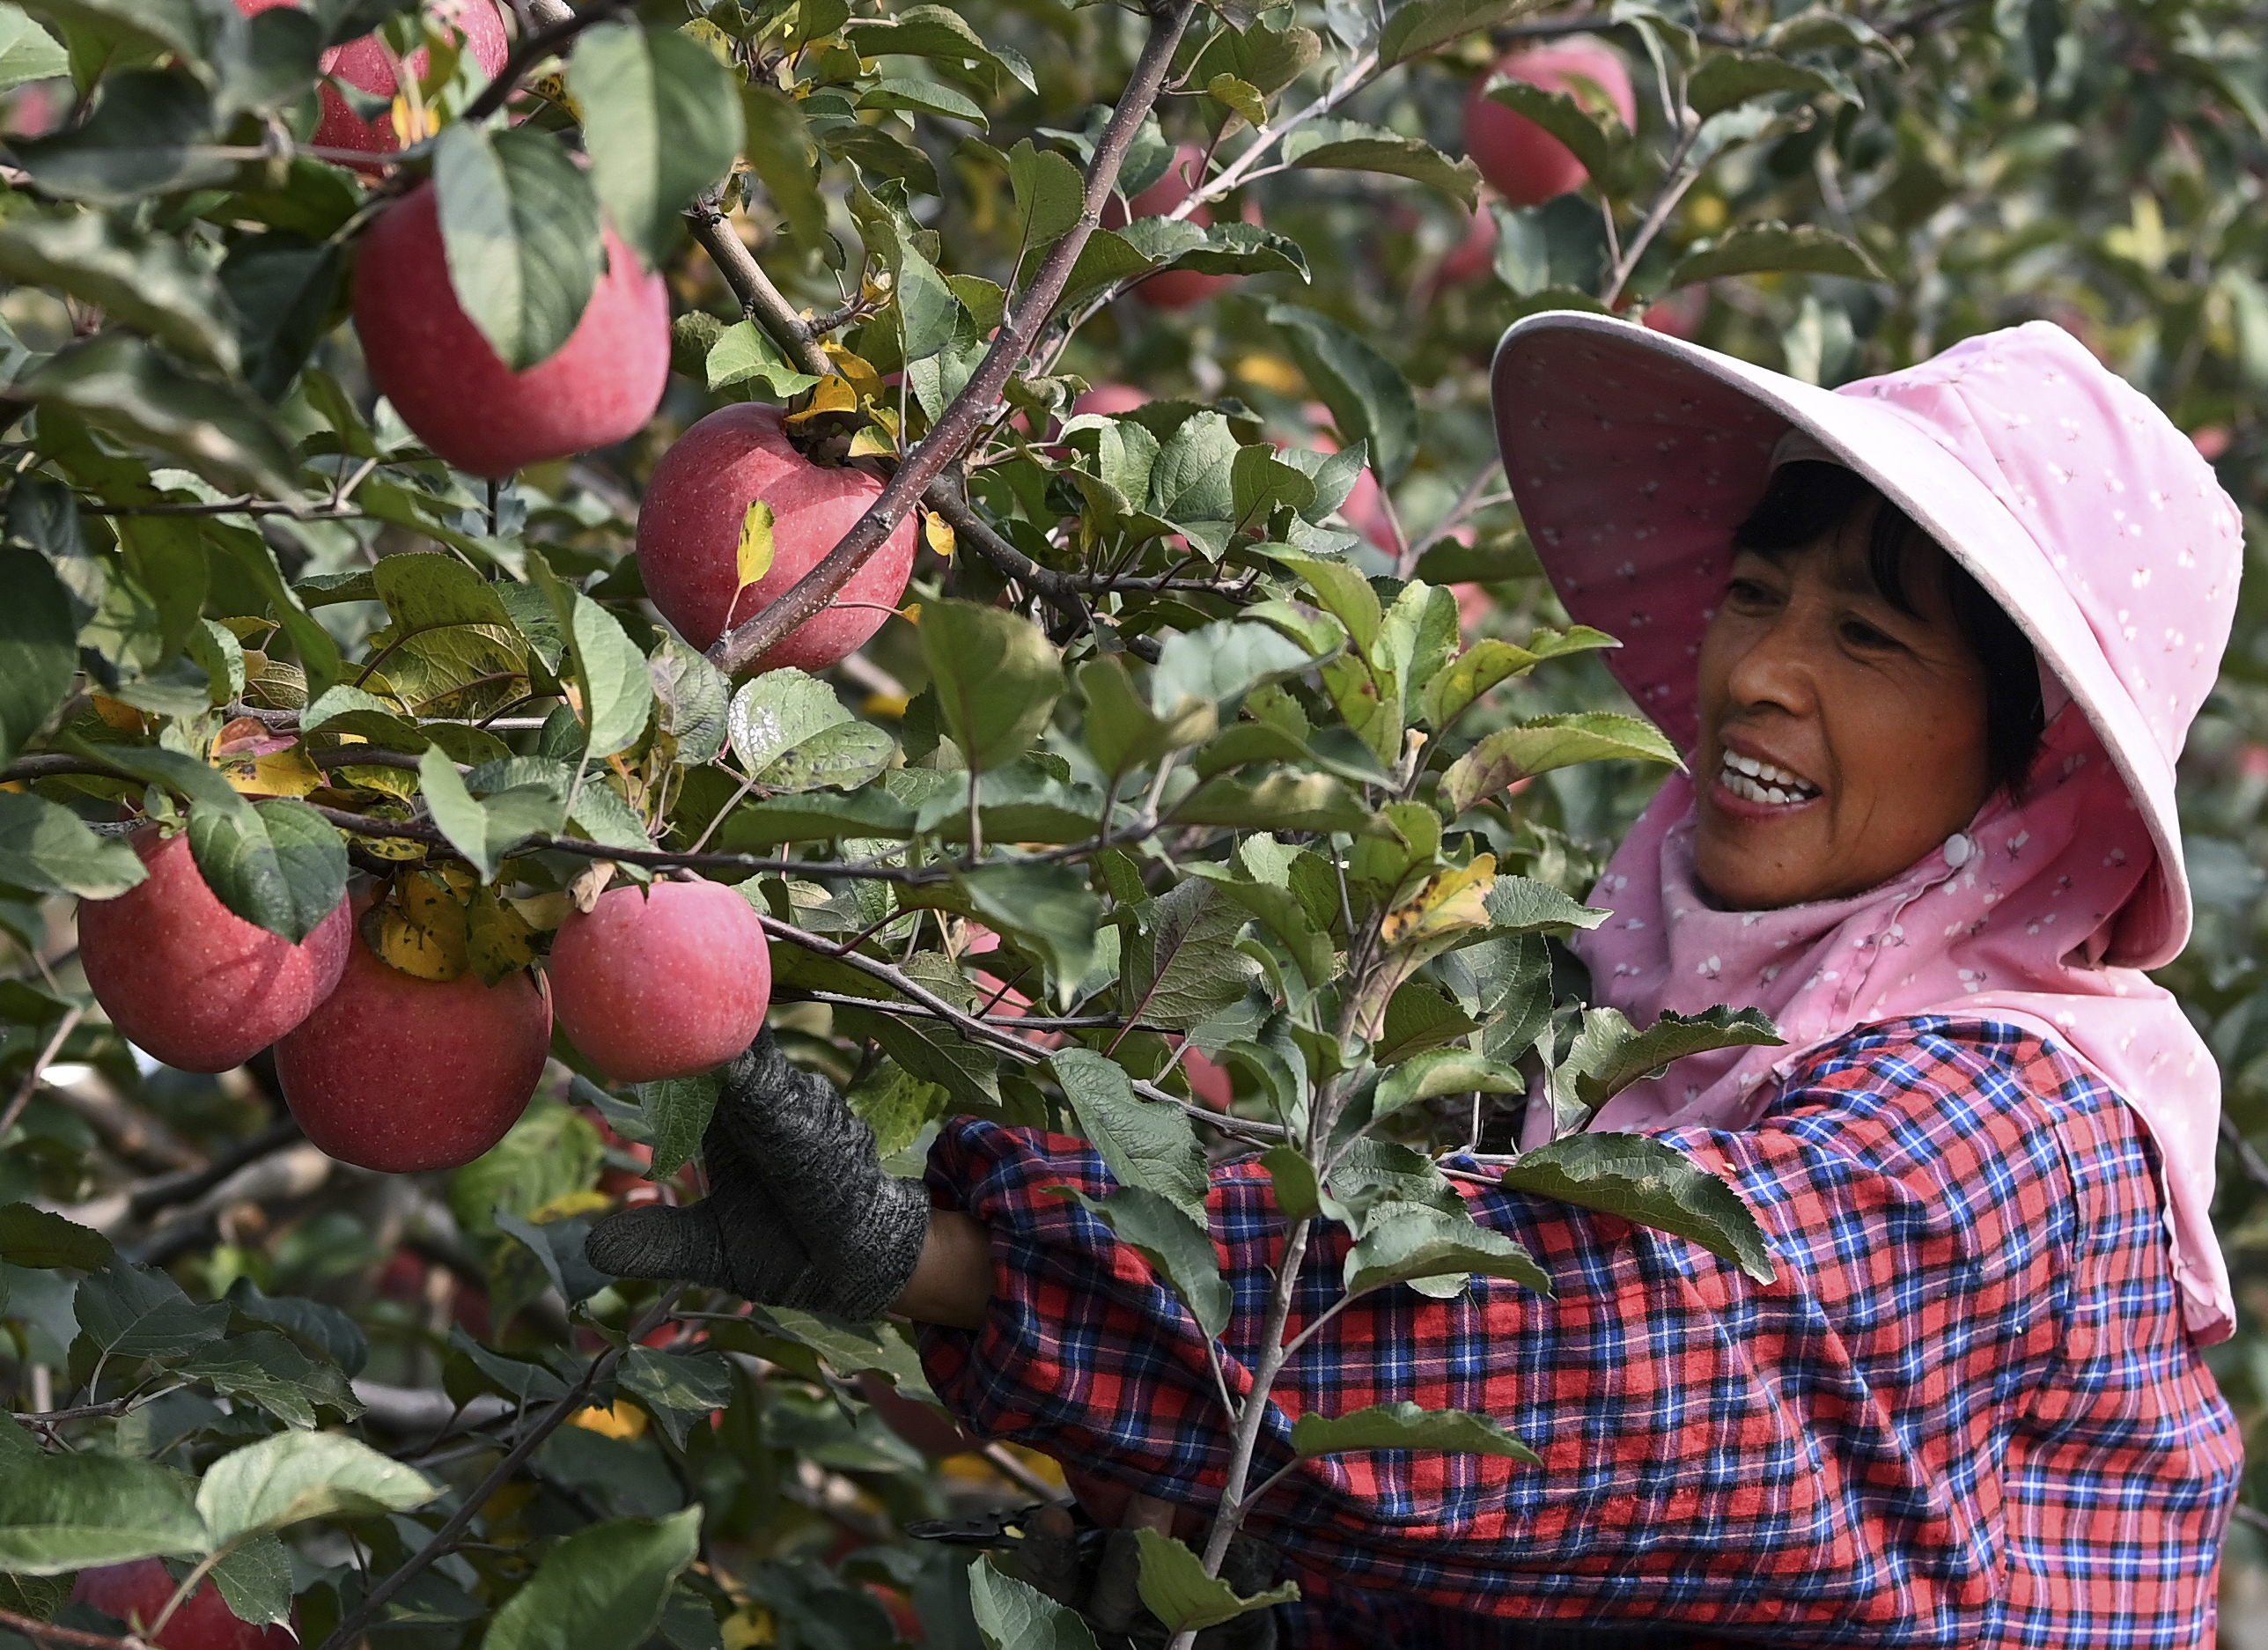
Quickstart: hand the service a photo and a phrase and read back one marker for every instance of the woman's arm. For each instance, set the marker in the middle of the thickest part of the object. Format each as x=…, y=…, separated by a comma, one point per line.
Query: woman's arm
x=952, y=1283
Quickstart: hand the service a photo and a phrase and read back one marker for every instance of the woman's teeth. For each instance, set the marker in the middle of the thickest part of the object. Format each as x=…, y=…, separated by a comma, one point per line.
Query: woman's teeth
x=1754, y=781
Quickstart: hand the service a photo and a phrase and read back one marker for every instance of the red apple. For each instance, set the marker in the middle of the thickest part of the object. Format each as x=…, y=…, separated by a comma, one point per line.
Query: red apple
x=1528, y=166
x=367, y=66
x=1175, y=289
x=666, y=981
x=189, y=982
x=431, y=362
x=1475, y=256
x=397, y=1074
x=689, y=537
x=1108, y=398
x=134, y=1592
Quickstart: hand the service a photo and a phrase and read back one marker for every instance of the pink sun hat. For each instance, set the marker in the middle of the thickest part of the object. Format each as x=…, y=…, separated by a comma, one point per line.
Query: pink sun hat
x=2068, y=496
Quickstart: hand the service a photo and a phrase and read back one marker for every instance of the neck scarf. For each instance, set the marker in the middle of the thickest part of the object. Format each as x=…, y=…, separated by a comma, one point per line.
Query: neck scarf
x=2007, y=922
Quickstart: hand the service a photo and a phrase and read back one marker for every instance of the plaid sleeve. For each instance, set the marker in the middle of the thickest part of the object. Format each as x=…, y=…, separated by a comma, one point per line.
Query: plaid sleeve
x=1966, y=1413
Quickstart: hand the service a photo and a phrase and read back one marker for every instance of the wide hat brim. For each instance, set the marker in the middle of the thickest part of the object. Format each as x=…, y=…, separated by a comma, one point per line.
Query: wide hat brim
x=1632, y=455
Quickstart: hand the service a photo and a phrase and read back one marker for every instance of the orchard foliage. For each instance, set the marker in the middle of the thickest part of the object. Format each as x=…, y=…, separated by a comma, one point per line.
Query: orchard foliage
x=1218, y=783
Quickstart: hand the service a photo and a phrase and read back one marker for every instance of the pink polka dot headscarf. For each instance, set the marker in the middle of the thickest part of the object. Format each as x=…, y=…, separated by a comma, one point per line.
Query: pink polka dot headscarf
x=2076, y=503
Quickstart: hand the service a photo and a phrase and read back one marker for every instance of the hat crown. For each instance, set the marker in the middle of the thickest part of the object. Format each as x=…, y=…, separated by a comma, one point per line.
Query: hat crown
x=2125, y=513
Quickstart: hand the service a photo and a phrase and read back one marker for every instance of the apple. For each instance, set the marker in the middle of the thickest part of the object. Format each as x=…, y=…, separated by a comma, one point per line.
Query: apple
x=398, y=1074
x=1475, y=256
x=666, y=981
x=189, y=982
x=1528, y=166
x=368, y=66
x=1175, y=289
x=1107, y=398
x=134, y=1592
x=689, y=537
x=450, y=386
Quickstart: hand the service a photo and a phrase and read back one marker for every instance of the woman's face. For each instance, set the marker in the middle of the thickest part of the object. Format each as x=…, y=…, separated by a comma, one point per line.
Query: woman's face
x=1842, y=738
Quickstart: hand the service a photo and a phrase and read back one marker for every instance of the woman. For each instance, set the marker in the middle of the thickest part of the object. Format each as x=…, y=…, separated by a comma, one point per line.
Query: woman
x=1934, y=642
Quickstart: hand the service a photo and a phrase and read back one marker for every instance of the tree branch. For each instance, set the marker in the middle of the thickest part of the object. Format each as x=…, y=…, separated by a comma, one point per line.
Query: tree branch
x=949, y=437
x=537, y=47
x=48, y=1632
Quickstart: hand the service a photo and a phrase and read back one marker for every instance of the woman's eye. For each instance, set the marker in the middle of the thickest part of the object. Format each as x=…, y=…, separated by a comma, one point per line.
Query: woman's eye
x=1859, y=633
x=1747, y=592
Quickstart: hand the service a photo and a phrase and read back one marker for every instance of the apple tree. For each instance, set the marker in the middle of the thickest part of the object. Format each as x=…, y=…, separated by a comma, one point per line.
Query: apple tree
x=972, y=530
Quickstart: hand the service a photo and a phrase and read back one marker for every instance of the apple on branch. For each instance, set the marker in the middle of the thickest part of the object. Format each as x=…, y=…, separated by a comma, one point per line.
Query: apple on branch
x=1525, y=163
x=666, y=981
x=186, y=980
x=368, y=65
x=712, y=560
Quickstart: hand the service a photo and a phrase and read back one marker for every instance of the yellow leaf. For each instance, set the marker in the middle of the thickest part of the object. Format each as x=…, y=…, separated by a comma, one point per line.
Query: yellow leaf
x=568, y=1205
x=749, y=1625
x=1449, y=903
x=911, y=613
x=286, y=773
x=855, y=369
x=543, y=913
x=1270, y=371
x=938, y=531
x=890, y=704
x=830, y=394
x=756, y=544
x=497, y=938
x=625, y=1420
x=123, y=716
x=420, y=929
x=872, y=442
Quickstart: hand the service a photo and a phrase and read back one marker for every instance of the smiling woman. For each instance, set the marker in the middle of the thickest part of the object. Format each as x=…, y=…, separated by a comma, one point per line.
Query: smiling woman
x=1933, y=642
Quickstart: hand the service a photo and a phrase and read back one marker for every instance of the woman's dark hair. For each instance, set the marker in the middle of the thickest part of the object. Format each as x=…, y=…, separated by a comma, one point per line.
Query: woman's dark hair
x=1810, y=497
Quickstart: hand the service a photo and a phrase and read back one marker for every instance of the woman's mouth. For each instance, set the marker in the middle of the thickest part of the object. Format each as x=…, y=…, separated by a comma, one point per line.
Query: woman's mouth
x=1756, y=781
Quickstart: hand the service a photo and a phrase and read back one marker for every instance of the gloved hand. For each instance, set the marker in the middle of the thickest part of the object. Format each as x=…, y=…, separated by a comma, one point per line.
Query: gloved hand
x=799, y=1213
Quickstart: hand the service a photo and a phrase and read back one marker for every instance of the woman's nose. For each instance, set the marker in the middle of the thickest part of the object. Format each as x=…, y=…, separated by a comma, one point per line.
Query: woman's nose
x=1776, y=666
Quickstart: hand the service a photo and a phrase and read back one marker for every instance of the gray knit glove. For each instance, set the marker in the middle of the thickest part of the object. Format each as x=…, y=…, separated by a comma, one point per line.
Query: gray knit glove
x=799, y=1213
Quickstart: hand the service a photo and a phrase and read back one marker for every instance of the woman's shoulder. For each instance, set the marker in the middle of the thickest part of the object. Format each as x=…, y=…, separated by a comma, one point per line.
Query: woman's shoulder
x=1927, y=1089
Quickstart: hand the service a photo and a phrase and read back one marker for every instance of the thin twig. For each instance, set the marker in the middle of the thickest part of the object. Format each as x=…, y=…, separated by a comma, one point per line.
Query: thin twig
x=29, y=1086
x=48, y=1632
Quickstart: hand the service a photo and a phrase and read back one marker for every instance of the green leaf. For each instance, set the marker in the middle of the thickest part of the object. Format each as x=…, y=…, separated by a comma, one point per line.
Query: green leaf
x=1368, y=397
x=27, y=51
x=1179, y=1247
x=281, y=288
x=601, y=1589
x=791, y=733
x=1349, y=145
x=691, y=697
x=1438, y=1071
x=1418, y=27
x=1488, y=662
x=1417, y=1241
x=1596, y=136
x=1344, y=593
x=279, y=864
x=39, y=647
x=1106, y=259
x=781, y=154
x=1521, y=905
x=552, y=1149
x=275, y=1374
x=1183, y=967
x=660, y=122
x=124, y=386
x=519, y=223
x=1120, y=731
x=143, y=139
x=1013, y=1614
x=924, y=97
x=34, y=1237
x=150, y=282
x=1050, y=192
x=617, y=693
x=1644, y=1180
x=744, y=353
x=1298, y=1194
x=71, y=1512
x=677, y=1110
x=292, y=1477
x=47, y=848
x=1772, y=247
x=1727, y=78
x=137, y=1312
x=941, y=35
x=310, y=1323
x=1282, y=801
x=1048, y=908
x=1241, y=96
x=1145, y=1143
x=677, y=1389
x=485, y=830
x=1173, y=1584
x=930, y=1050
x=256, y=1581
x=1404, y=1425
x=995, y=675
x=1613, y=1054
x=1215, y=663
x=1284, y=916
x=1546, y=742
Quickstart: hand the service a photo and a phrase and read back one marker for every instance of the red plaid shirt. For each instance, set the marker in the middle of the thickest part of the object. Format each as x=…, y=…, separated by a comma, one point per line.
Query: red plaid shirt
x=1967, y=1413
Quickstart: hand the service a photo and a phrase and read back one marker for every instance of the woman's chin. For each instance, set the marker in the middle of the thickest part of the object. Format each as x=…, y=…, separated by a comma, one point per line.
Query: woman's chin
x=1758, y=855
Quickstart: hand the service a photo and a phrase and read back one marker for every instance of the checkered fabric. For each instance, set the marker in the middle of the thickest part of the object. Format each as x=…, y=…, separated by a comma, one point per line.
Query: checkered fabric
x=1967, y=1413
